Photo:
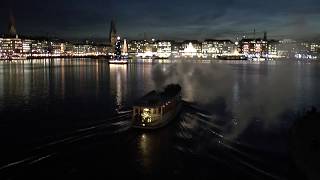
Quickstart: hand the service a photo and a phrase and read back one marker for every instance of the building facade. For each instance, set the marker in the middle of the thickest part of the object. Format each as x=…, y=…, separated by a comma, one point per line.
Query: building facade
x=164, y=49
x=213, y=48
x=11, y=48
x=254, y=47
x=191, y=48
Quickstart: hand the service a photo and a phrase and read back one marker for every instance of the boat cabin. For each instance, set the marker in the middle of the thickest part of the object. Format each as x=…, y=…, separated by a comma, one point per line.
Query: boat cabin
x=154, y=107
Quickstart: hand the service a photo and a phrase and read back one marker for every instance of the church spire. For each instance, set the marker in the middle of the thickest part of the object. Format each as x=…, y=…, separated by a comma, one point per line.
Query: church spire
x=113, y=33
x=12, y=32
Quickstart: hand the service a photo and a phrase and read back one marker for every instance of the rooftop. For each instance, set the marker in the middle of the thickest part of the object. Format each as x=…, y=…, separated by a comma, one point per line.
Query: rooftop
x=155, y=98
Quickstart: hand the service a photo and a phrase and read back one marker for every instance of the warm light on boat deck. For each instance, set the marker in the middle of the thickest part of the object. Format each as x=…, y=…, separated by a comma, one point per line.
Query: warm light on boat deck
x=146, y=115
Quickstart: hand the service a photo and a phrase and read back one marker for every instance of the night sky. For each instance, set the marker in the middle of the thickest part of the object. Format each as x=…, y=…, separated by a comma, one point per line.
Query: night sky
x=164, y=19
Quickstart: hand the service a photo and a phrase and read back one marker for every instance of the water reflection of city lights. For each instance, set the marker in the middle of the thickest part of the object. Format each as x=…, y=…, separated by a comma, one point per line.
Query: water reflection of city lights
x=118, y=75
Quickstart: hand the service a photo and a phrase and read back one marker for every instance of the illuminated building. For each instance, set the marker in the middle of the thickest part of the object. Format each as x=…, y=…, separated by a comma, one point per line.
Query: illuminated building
x=213, y=48
x=146, y=50
x=315, y=47
x=56, y=48
x=176, y=48
x=79, y=49
x=39, y=47
x=68, y=49
x=26, y=46
x=1, y=54
x=191, y=49
x=254, y=48
x=142, y=48
x=286, y=47
x=11, y=45
x=164, y=49
x=311, y=47
x=137, y=46
x=273, y=49
x=84, y=50
x=11, y=48
x=306, y=50
x=292, y=49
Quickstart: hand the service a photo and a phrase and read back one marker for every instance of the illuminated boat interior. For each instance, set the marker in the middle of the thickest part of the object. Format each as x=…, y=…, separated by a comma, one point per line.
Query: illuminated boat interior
x=153, y=108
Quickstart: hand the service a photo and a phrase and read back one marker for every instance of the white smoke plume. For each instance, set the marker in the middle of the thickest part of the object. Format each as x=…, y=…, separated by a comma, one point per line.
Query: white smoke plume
x=249, y=90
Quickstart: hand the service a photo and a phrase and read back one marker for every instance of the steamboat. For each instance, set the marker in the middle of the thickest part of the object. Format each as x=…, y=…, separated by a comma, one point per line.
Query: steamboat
x=157, y=109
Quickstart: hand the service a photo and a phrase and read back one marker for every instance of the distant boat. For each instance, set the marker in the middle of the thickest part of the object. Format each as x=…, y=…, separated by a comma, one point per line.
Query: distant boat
x=233, y=57
x=157, y=109
x=16, y=57
x=123, y=61
x=118, y=60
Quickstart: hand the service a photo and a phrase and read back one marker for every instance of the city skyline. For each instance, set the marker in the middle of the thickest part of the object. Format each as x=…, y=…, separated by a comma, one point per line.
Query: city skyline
x=165, y=20
x=245, y=48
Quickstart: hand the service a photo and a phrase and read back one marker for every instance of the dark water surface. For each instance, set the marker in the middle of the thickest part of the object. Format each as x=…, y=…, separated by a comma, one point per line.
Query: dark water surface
x=59, y=119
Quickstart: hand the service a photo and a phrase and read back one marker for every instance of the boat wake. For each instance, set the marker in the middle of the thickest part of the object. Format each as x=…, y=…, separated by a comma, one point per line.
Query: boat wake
x=201, y=136
x=196, y=134
x=50, y=149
